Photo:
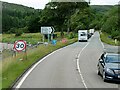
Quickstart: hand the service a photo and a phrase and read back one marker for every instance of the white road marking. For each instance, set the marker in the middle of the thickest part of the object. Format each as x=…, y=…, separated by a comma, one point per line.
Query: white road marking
x=101, y=43
x=78, y=67
x=27, y=74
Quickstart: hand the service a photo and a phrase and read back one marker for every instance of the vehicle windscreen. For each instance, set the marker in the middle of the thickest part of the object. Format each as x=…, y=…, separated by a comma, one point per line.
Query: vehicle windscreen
x=83, y=34
x=112, y=59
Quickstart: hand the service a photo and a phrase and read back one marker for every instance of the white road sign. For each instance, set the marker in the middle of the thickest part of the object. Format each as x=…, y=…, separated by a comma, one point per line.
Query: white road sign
x=46, y=30
x=20, y=45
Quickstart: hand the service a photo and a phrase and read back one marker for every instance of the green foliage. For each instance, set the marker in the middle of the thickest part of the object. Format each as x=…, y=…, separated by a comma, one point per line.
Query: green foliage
x=71, y=35
x=18, y=32
x=81, y=19
x=33, y=38
x=16, y=16
x=13, y=67
x=101, y=9
x=64, y=17
x=105, y=38
x=60, y=14
x=110, y=22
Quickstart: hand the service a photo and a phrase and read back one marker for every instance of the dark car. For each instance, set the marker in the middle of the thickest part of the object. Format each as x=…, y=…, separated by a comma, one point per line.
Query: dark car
x=89, y=35
x=109, y=66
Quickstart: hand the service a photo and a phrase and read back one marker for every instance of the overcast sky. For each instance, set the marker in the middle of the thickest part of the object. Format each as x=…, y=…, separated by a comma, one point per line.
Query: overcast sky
x=40, y=4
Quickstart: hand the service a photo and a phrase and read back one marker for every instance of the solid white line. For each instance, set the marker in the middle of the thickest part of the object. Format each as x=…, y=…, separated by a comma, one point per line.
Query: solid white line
x=27, y=74
x=101, y=42
x=78, y=67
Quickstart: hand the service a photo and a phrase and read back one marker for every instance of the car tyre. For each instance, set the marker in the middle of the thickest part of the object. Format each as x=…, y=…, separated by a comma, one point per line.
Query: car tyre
x=104, y=76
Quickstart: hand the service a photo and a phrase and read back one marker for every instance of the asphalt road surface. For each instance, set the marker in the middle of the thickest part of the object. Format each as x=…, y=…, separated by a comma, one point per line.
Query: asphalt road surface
x=60, y=69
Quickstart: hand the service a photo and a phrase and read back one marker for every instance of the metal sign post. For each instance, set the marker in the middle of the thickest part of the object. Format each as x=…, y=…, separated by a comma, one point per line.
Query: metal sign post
x=48, y=38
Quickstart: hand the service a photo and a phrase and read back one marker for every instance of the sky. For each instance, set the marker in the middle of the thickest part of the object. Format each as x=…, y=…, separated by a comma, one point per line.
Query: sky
x=40, y=4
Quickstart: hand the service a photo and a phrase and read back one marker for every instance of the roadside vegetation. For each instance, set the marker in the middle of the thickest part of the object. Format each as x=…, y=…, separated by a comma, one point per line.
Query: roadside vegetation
x=106, y=38
x=13, y=67
x=21, y=22
x=34, y=38
x=64, y=17
x=31, y=38
x=110, y=27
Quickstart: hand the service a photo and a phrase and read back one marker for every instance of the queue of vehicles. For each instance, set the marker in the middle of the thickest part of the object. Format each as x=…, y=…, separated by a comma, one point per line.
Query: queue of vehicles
x=84, y=35
x=108, y=64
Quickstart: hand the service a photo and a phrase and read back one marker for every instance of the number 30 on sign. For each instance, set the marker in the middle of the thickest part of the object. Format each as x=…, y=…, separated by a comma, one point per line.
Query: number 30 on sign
x=20, y=45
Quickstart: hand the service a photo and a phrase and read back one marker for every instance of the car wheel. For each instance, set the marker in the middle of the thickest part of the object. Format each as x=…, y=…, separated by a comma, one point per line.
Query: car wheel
x=104, y=76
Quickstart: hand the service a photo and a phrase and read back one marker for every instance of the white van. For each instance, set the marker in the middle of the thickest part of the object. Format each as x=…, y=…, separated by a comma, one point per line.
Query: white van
x=82, y=35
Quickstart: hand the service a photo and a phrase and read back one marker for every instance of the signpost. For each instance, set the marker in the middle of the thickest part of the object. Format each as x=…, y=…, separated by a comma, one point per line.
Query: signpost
x=20, y=46
x=48, y=31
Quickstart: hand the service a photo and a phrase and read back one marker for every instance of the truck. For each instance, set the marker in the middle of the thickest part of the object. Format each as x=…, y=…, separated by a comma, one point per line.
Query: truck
x=91, y=31
x=82, y=35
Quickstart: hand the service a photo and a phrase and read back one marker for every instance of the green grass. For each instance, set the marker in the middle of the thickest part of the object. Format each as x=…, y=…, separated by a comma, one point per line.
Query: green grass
x=105, y=39
x=0, y=37
x=33, y=38
x=0, y=75
x=13, y=67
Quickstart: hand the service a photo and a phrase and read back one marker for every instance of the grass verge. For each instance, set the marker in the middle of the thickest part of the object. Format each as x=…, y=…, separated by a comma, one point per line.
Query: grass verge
x=106, y=39
x=13, y=67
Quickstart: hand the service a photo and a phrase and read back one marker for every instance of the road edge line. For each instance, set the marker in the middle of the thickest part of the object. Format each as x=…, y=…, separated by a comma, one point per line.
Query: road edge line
x=34, y=66
x=101, y=42
x=78, y=66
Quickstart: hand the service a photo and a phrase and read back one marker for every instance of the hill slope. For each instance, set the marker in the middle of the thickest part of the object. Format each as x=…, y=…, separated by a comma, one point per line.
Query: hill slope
x=101, y=8
x=16, y=16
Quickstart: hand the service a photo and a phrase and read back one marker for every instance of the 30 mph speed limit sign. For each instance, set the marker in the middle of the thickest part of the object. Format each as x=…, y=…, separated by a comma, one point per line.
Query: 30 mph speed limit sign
x=20, y=45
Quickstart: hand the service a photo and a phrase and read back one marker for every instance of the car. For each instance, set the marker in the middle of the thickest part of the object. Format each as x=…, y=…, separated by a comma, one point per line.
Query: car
x=89, y=35
x=109, y=66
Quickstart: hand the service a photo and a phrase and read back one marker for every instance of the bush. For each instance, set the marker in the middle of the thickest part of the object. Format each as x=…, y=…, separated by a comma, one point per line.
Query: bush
x=18, y=32
x=71, y=35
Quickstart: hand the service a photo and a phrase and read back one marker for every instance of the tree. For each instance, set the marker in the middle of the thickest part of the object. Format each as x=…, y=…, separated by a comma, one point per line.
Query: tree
x=110, y=22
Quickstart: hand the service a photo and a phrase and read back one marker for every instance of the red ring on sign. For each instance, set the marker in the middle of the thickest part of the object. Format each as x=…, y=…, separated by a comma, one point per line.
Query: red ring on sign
x=17, y=42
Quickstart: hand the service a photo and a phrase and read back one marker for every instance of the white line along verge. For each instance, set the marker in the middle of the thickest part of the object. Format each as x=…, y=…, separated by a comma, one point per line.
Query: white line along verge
x=34, y=66
x=101, y=42
x=78, y=67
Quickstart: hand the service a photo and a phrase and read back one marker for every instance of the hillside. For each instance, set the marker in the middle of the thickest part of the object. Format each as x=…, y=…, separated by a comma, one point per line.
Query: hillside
x=68, y=17
x=101, y=8
x=16, y=16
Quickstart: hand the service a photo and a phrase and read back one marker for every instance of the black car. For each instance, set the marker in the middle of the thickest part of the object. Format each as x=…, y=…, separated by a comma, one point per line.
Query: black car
x=109, y=66
x=89, y=35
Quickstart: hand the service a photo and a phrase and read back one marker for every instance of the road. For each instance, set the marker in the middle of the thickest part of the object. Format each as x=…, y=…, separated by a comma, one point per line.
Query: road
x=74, y=66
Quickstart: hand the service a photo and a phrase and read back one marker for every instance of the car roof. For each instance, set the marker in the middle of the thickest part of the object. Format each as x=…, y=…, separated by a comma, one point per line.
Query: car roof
x=111, y=51
x=112, y=54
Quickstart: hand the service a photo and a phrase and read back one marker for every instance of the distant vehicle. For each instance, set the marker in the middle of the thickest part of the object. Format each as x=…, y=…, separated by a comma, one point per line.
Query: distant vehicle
x=91, y=31
x=82, y=35
x=89, y=35
x=109, y=66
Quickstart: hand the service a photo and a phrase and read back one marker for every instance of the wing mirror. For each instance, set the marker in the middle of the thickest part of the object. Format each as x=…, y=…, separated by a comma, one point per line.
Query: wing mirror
x=101, y=61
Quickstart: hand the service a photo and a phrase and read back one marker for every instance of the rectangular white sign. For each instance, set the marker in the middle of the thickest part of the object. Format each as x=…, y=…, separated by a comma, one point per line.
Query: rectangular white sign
x=46, y=30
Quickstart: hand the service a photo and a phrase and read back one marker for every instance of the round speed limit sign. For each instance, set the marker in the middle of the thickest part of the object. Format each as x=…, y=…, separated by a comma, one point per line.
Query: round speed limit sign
x=20, y=45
